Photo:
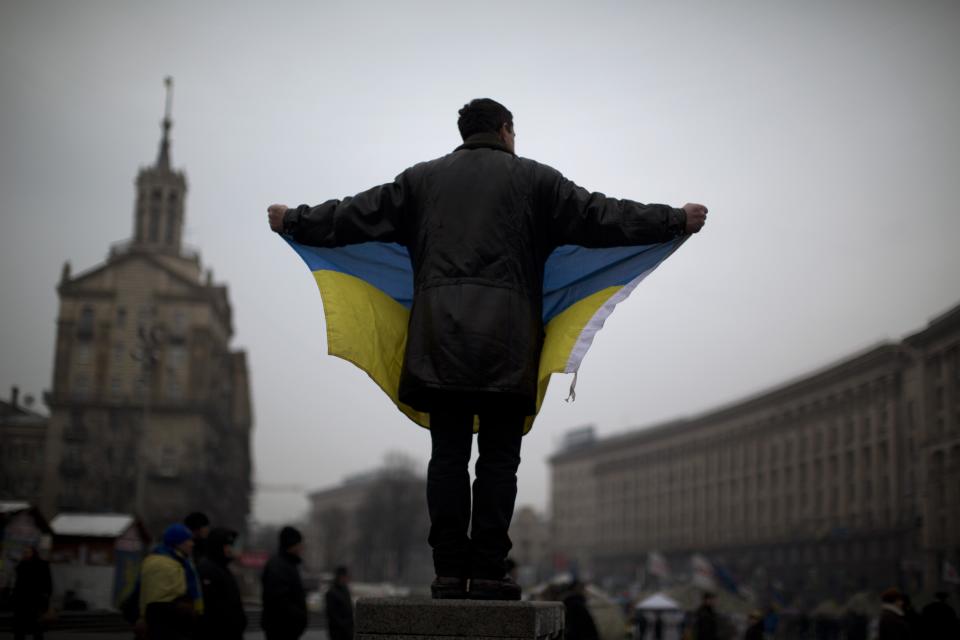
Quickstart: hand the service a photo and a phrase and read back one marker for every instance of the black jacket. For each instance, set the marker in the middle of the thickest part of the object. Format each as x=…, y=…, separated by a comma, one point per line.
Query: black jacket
x=479, y=224
x=284, y=600
x=223, y=614
x=32, y=589
x=339, y=607
x=893, y=626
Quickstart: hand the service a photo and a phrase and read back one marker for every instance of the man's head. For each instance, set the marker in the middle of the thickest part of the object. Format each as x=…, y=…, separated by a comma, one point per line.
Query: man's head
x=341, y=575
x=291, y=541
x=198, y=523
x=709, y=599
x=179, y=537
x=221, y=542
x=484, y=115
x=892, y=596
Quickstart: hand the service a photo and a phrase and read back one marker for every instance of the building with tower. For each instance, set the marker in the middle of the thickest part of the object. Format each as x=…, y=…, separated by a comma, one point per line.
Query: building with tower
x=150, y=407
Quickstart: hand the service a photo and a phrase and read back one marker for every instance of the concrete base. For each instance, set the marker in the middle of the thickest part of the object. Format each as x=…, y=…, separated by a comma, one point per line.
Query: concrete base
x=425, y=619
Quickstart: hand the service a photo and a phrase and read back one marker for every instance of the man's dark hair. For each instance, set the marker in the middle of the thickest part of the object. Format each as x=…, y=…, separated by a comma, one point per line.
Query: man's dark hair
x=196, y=520
x=483, y=115
x=340, y=572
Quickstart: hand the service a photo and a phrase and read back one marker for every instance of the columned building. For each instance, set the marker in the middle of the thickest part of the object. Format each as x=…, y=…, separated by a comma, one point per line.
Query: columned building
x=150, y=406
x=844, y=479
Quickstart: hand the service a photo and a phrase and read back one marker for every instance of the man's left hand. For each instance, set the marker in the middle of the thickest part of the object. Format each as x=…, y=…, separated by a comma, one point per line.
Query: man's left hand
x=275, y=213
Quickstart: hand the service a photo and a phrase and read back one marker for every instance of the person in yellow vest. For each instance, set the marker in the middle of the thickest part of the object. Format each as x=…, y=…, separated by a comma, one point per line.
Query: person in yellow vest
x=170, y=596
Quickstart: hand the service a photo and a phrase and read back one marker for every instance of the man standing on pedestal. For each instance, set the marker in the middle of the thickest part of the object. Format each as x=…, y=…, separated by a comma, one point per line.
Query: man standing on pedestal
x=479, y=225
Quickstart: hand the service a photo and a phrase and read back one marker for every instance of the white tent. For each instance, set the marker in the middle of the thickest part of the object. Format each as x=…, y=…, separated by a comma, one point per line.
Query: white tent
x=658, y=602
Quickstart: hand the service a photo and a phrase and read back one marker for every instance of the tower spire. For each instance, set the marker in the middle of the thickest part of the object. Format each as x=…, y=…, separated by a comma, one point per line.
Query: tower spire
x=163, y=158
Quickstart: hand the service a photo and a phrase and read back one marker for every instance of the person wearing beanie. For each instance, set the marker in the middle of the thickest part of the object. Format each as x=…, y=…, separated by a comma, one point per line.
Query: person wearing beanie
x=284, y=614
x=199, y=524
x=223, y=614
x=339, y=606
x=170, y=595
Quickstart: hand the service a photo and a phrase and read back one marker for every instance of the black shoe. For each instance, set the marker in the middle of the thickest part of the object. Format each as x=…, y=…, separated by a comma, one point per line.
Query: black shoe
x=448, y=588
x=502, y=589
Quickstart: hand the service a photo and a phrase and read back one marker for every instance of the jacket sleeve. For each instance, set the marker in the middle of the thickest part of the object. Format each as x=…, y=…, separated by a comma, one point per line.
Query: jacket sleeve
x=577, y=216
x=374, y=215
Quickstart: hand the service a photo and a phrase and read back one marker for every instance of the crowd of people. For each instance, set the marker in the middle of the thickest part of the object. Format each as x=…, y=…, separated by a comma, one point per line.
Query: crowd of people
x=897, y=620
x=186, y=590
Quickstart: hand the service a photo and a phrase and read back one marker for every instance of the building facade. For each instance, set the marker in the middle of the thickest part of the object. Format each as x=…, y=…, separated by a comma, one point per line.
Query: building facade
x=23, y=435
x=844, y=479
x=150, y=406
x=376, y=523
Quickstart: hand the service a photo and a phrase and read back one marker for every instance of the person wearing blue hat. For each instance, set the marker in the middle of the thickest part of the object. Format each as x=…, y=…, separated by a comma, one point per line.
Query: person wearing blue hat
x=170, y=596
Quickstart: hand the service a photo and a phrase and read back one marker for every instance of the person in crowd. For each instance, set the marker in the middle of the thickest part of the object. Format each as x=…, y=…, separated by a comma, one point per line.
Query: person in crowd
x=914, y=622
x=705, y=623
x=31, y=594
x=170, y=595
x=939, y=619
x=893, y=623
x=755, y=626
x=639, y=624
x=339, y=606
x=579, y=622
x=223, y=615
x=284, y=599
x=199, y=524
x=658, y=626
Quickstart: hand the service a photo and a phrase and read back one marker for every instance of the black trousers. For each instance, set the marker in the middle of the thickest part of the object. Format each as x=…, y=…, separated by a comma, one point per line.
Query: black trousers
x=482, y=553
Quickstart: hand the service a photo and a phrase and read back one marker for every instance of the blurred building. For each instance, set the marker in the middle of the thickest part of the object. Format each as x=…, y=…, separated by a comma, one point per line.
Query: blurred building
x=150, y=407
x=376, y=523
x=846, y=478
x=530, y=535
x=23, y=434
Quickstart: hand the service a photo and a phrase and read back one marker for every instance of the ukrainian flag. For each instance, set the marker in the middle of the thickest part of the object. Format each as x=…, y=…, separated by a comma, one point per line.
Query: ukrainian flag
x=367, y=291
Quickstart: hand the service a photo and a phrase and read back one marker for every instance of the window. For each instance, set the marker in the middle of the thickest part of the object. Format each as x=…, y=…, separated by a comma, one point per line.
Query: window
x=83, y=353
x=171, y=225
x=179, y=322
x=81, y=386
x=121, y=316
x=85, y=326
x=154, y=233
x=169, y=464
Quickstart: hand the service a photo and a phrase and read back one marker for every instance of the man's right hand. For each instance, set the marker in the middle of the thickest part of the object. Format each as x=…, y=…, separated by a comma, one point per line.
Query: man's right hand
x=275, y=213
x=696, y=217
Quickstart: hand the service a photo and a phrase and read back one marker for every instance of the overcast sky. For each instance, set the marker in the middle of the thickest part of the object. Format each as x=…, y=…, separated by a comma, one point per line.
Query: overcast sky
x=823, y=136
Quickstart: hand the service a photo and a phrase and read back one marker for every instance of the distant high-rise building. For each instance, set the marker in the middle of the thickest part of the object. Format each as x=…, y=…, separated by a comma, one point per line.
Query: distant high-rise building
x=845, y=479
x=150, y=407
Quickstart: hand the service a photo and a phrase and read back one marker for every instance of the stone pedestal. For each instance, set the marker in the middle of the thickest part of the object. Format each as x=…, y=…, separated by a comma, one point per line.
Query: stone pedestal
x=425, y=619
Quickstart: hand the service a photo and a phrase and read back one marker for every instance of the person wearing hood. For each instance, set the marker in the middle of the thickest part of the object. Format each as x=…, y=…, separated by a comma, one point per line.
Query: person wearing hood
x=223, y=614
x=284, y=599
x=170, y=596
x=893, y=624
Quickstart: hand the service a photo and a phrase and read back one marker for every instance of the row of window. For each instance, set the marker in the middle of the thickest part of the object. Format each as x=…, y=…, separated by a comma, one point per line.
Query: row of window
x=146, y=317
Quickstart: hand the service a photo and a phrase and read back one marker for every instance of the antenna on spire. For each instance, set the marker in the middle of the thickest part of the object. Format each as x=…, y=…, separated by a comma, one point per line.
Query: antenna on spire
x=163, y=158
x=168, y=83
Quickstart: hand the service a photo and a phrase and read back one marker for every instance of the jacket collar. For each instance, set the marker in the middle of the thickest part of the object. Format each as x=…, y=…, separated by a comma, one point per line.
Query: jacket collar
x=484, y=141
x=893, y=608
